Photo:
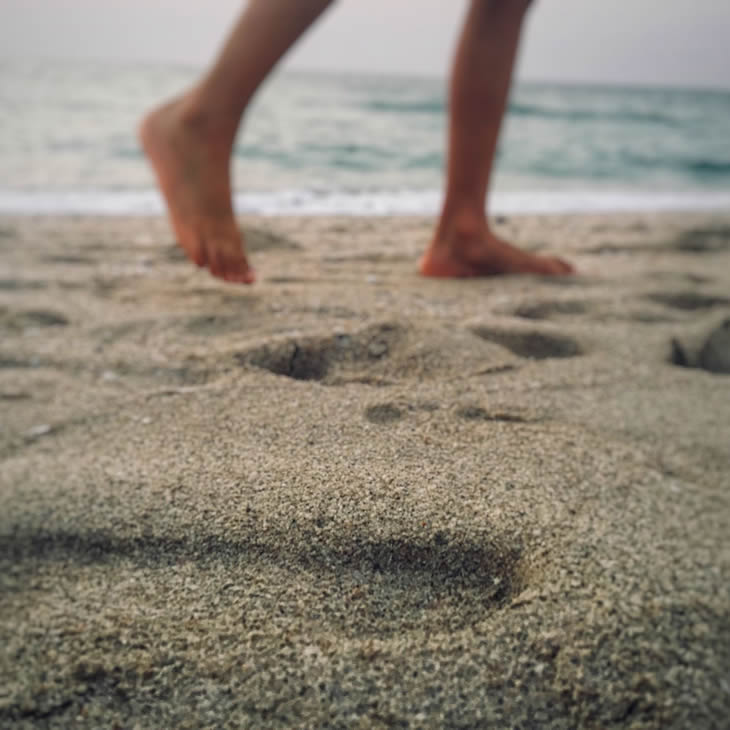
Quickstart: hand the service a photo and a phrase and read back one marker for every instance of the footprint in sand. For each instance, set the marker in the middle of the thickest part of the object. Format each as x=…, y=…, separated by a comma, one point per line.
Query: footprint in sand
x=548, y=309
x=71, y=259
x=20, y=320
x=383, y=413
x=378, y=355
x=21, y=285
x=712, y=239
x=477, y=413
x=316, y=357
x=535, y=344
x=372, y=586
x=688, y=300
x=713, y=355
x=210, y=325
x=9, y=362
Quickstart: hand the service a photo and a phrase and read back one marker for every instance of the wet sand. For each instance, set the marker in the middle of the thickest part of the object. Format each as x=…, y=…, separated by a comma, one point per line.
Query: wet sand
x=352, y=497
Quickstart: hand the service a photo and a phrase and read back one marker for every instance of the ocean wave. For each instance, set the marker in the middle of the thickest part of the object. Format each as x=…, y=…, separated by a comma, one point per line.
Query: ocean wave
x=520, y=109
x=709, y=167
x=699, y=168
x=591, y=115
x=364, y=203
x=424, y=106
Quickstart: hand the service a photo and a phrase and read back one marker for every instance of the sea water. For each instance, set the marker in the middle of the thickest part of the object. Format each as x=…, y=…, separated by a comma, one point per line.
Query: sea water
x=356, y=144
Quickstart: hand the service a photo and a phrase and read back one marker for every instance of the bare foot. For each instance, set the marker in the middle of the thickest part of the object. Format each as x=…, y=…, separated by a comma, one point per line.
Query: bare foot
x=476, y=251
x=192, y=168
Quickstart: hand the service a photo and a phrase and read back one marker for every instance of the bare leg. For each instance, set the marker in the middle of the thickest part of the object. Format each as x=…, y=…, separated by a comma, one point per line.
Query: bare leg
x=463, y=245
x=189, y=141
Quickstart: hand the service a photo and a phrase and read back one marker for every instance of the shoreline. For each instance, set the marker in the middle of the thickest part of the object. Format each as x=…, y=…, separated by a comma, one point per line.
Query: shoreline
x=347, y=494
x=377, y=204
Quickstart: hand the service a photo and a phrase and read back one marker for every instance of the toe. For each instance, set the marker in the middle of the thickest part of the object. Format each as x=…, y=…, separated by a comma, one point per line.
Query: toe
x=192, y=244
x=241, y=277
x=236, y=268
x=227, y=261
x=558, y=267
x=216, y=265
x=195, y=250
x=197, y=254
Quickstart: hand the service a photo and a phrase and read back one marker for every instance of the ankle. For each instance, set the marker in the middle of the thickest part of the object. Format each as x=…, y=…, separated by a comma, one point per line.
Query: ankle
x=199, y=118
x=460, y=228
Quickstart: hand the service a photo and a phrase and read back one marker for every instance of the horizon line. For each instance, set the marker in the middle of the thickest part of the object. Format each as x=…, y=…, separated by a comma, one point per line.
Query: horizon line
x=377, y=73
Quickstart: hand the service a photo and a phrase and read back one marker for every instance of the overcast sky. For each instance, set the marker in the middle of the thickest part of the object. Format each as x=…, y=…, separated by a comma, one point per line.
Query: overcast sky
x=676, y=42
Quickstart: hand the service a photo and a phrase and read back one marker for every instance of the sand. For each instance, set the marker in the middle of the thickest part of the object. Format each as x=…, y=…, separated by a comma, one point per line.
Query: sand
x=352, y=497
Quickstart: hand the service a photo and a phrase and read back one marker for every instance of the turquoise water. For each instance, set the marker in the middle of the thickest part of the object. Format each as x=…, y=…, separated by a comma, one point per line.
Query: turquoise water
x=356, y=144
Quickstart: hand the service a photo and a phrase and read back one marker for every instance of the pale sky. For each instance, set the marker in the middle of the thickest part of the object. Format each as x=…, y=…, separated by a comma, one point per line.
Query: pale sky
x=674, y=42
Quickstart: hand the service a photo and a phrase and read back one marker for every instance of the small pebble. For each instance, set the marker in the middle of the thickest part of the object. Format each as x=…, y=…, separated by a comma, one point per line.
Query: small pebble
x=39, y=430
x=377, y=349
x=715, y=354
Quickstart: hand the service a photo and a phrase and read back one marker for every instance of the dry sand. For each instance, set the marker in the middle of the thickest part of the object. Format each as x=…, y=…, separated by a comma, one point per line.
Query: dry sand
x=351, y=497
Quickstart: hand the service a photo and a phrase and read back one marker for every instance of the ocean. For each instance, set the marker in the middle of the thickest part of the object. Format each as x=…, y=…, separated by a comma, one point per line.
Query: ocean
x=356, y=144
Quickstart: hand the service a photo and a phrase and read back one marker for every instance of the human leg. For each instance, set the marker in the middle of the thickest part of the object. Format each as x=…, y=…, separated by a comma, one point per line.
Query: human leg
x=189, y=141
x=463, y=244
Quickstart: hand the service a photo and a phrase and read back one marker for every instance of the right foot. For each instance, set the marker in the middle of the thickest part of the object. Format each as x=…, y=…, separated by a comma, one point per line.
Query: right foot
x=192, y=168
x=476, y=251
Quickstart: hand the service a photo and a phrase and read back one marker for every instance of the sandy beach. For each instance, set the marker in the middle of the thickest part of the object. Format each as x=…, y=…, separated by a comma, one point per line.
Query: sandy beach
x=351, y=497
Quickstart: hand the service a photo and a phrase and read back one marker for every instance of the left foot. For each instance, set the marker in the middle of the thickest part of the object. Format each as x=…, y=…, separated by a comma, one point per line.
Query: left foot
x=476, y=251
x=191, y=163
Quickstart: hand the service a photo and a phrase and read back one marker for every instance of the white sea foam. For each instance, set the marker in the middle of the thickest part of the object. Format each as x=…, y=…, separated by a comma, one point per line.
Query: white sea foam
x=405, y=202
